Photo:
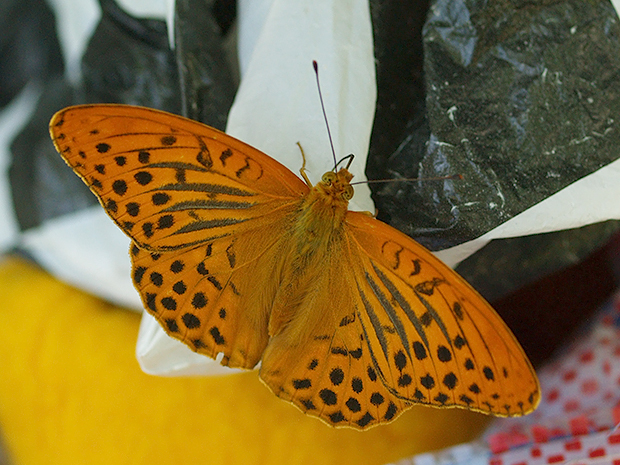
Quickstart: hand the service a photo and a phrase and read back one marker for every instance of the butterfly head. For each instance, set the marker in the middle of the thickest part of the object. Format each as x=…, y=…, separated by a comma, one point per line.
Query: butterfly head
x=338, y=184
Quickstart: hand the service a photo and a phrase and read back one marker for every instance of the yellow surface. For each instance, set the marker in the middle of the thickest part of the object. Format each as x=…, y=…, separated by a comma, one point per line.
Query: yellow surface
x=71, y=392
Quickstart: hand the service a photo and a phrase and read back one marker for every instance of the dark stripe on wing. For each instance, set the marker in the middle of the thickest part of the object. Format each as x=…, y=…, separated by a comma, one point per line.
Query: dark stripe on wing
x=434, y=314
x=210, y=224
x=374, y=320
x=206, y=188
x=208, y=204
x=415, y=321
x=176, y=165
x=389, y=309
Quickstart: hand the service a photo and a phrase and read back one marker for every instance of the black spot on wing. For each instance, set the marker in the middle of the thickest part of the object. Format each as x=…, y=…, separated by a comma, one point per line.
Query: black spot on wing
x=190, y=320
x=102, y=147
x=177, y=266
x=400, y=360
x=156, y=279
x=328, y=397
x=365, y=420
x=444, y=354
x=356, y=354
x=143, y=177
x=111, y=206
x=138, y=274
x=427, y=381
x=168, y=140
x=217, y=337
x=133, y=209
x=308, y=404
x=169, y=303
x=458, y=310
x=357, y=385
x=165, y=222
x=419, y=350
x=390, y=412
x=353, y=405
x=199, y=300
x=336, y=376
x=450, y=380
x=119, y=187
x=172, y=326
x=179, y=287
x=339, y=351
x=160, y=198
x=226, y=154
x=302, y=383
x=144, y=157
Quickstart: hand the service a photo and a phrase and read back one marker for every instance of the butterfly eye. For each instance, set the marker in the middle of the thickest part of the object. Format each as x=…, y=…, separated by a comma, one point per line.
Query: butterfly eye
x=348, y=193
x=328, y=178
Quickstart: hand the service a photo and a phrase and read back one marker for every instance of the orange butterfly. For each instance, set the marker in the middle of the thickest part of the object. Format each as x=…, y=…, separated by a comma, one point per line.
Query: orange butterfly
x=352, y=320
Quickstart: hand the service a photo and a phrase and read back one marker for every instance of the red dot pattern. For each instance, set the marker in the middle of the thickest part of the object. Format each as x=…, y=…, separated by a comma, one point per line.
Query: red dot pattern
x=576, y=421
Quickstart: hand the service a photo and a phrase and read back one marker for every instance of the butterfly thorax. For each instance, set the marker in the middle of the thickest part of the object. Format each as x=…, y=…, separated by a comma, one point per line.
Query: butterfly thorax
x=324, y=208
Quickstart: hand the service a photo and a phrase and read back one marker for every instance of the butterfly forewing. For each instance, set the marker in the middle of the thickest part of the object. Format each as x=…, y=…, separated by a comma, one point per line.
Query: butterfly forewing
x=433, y=339
x=169, y=182
x=202, y=209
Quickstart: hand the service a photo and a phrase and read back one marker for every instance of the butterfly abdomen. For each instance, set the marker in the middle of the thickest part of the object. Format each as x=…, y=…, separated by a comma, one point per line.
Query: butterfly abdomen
x=316, y=235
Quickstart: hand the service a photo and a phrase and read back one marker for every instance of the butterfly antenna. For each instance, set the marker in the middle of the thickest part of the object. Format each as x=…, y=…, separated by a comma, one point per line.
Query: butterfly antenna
x=453, y=177
x=315, y=65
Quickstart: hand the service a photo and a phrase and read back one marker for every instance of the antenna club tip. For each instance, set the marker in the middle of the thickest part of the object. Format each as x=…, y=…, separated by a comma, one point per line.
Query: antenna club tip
x=315, y=65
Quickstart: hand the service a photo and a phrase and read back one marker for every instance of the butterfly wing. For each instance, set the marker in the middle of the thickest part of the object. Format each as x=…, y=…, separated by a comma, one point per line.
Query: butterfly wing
x=203, y=210
x=169, y=182
x=214, y=297
x=433, y=339
x=329, y=373
x=386, y=326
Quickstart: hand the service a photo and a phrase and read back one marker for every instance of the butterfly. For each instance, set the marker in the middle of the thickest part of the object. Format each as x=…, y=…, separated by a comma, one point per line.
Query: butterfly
x=352, y=321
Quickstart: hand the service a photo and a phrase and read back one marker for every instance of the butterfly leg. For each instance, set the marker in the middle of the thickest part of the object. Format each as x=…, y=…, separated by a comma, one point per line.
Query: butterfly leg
x=302, y=170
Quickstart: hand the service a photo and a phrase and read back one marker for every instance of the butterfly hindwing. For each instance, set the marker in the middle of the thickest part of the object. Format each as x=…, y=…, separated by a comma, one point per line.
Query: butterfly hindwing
x=433, y=339
x=333, y=379
x=322, y=363
x=216, y=297
x=167, y=181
